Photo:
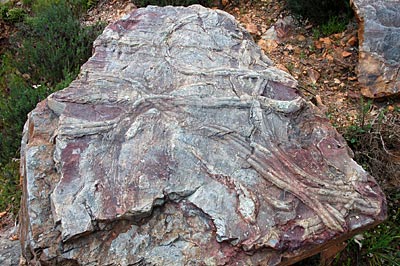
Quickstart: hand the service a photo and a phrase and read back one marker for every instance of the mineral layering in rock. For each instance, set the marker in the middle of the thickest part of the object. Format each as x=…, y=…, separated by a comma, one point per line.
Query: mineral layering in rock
x=379, y=34
x=181, y=144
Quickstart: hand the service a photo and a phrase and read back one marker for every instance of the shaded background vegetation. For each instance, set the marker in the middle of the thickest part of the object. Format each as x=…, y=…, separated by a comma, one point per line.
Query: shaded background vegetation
x=44, y=55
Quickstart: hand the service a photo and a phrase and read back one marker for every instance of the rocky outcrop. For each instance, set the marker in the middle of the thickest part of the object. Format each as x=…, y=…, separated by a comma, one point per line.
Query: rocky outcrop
x=379, y=54
x=181, y=144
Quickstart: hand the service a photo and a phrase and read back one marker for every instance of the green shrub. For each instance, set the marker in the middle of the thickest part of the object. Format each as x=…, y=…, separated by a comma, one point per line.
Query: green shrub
x=15, y=15
x=10, y=14
x=91, y=3
x=143, y=3
x=47, y=52
x=320, y=11
x=10, y=191
x=14, y=106
x=53, y=43
x=3, y=11
x=334, y=25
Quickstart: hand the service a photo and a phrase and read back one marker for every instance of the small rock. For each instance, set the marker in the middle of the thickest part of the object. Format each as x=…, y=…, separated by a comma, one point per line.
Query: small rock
x=270, y=34
x=284, y=26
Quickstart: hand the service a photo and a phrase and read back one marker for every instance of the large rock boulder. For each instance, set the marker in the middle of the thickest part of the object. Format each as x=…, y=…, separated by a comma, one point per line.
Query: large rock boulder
x=379, y=54
x=181, y=144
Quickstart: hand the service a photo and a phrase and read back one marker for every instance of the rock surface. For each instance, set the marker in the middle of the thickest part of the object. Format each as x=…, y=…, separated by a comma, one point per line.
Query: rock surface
x=10, y=250
x=379, y=54
x=181, y=144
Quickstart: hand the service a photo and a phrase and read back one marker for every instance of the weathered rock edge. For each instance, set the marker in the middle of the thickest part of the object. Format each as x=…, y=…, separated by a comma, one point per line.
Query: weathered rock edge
x=180, y=144
x=379, y=46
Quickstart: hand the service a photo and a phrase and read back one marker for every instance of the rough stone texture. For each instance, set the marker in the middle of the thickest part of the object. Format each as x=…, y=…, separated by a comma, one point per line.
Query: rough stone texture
x=379, y=54
x=10, y=250
x=181, y=144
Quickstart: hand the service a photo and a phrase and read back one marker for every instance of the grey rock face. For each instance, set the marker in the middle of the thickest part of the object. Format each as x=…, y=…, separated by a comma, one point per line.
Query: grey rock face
x=181, y=144
x=10, y=251
x=379, y=35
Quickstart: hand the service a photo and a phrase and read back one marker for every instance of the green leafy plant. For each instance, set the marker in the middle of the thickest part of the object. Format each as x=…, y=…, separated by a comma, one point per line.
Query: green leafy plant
x=290, y=67
x=334, y=25
x=354, y=133
x=91, y=3
x=47, y=52
x=14, y=106
x=316, y=33
x=11, y=14
x=10, y=192
x=4, y=10
x=53, y=43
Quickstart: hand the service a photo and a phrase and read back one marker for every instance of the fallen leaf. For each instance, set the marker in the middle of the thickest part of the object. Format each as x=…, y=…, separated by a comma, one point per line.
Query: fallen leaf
x=327, y=41
x=289, y=47
x=346, y=54
x=337, y=35
x=2, y=214
x=352, y=78
x=336, y=81
x=298, y=50
x=352, y=41
x=329, y=57
x=318, y=45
